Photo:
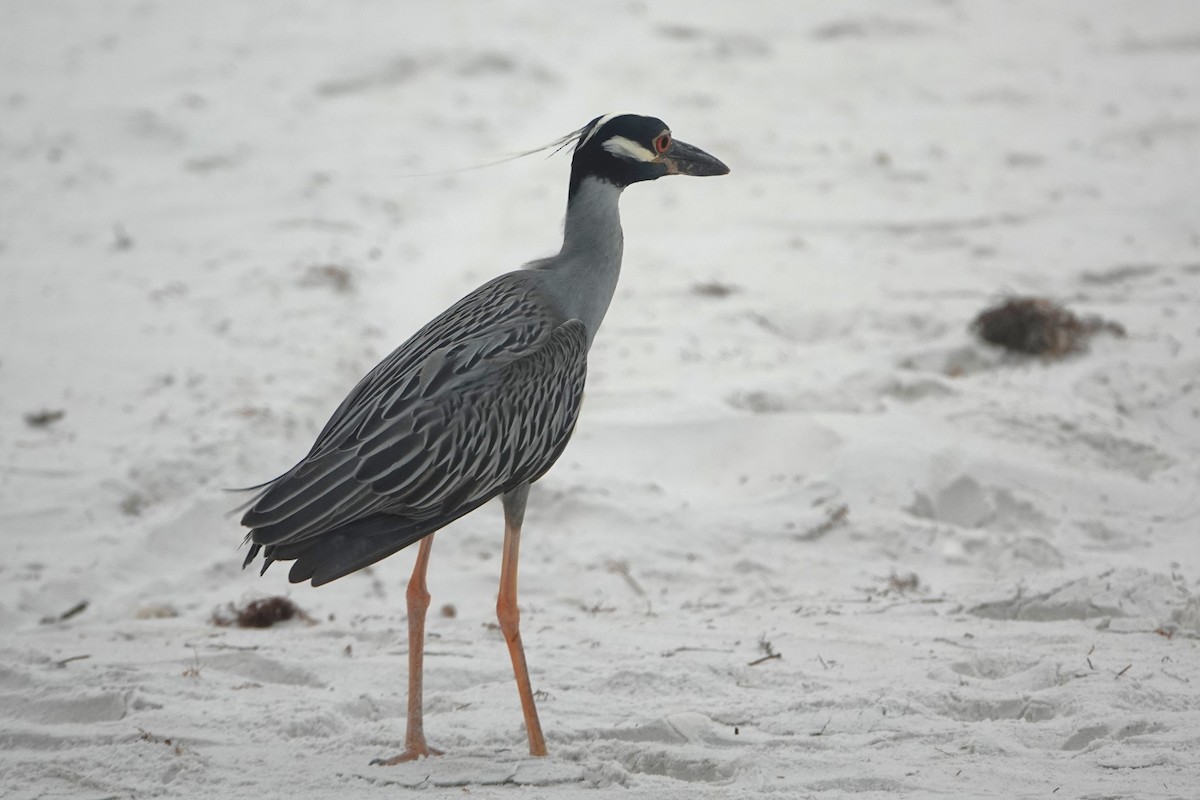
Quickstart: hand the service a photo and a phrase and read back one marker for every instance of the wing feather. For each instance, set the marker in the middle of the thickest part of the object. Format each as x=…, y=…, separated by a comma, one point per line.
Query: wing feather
x=434, y=430
x=506, y=310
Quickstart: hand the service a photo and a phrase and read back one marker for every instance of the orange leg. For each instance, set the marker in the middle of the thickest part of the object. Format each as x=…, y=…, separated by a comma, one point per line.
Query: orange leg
x=510, y=616
x=418, y=603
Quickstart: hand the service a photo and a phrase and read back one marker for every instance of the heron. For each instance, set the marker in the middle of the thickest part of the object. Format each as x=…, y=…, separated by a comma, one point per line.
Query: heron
x=479, y=403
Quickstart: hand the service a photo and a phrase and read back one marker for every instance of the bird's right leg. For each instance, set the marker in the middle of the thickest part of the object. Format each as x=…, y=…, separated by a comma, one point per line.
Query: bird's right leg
x=418, y=603
x=510, y=616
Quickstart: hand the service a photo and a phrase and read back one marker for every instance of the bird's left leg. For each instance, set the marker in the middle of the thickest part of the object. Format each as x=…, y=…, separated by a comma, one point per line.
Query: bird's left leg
x=418, y=603
x=510, y=616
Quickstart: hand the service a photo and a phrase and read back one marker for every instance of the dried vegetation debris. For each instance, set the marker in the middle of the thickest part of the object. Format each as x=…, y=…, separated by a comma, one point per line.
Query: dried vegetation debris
x=835, y=516
x=1038, y=326
x=329, y=276
x=715, y=289
x=44, y=418
x=261, y=613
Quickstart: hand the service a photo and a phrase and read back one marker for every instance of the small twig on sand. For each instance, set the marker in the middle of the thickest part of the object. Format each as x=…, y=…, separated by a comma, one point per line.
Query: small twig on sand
x=194, y=670
x=622, y=568
x=767, y=648
x=758, y=661
x=1122, y=672
x=73, y=611
x=65, y=661
x=686, y=649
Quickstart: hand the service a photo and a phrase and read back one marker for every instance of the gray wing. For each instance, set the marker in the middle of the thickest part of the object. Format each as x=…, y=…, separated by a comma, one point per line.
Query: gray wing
x=482, y=399
x=505, y=316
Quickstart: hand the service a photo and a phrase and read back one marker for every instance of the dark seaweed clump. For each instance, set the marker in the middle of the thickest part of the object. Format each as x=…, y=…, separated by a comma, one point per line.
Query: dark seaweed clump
x=1037, y=326
x=260, y=613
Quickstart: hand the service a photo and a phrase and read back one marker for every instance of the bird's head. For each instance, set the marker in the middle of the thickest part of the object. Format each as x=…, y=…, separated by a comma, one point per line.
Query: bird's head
x=626, y=148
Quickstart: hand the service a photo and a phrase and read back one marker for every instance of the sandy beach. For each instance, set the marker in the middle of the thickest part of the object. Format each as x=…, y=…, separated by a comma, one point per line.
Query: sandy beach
x=812, y=538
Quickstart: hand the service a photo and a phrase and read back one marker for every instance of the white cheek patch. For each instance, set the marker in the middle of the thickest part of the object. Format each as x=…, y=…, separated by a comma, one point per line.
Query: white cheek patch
x=627, y=148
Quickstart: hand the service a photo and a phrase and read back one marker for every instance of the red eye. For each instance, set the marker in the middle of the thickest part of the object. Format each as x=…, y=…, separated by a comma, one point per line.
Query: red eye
x=662, y=143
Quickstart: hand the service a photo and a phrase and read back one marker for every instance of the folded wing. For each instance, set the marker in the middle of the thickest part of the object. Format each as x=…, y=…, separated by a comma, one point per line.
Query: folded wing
x=482, y=399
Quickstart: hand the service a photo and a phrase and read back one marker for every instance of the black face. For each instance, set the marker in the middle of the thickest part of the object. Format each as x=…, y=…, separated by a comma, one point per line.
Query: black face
x=628, y=148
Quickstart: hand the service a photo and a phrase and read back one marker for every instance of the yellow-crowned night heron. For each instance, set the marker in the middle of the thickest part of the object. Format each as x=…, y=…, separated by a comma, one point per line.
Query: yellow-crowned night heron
x=479, y=403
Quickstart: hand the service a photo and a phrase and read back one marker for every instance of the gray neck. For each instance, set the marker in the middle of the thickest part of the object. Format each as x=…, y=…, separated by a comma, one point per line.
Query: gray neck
x=582, y=278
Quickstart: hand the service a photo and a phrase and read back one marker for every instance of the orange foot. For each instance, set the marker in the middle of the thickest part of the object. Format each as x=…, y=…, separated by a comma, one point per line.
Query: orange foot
x=410, y=754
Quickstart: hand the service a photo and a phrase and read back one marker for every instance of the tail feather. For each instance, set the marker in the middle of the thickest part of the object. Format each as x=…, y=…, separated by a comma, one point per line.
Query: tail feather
x=334, y=556
x=338, y=552
x=343, y=550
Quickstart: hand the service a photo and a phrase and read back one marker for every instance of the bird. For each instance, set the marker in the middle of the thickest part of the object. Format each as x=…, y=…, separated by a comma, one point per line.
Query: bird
x=478, y=403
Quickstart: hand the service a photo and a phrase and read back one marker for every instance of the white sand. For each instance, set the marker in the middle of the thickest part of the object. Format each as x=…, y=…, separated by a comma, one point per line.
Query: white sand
x=173, y=178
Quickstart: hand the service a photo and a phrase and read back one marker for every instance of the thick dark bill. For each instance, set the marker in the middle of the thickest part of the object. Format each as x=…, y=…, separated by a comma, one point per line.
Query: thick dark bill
x=684, y=159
